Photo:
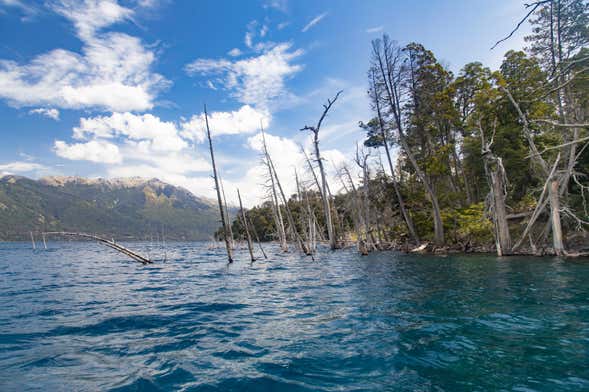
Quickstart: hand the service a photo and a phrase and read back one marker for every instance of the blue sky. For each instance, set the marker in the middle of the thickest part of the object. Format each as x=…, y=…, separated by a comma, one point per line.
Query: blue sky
x=116, y=89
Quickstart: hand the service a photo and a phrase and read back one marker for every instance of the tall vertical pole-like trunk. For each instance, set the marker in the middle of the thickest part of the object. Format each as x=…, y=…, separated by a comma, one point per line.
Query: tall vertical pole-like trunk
x=257, y=238
x=391, y=83
x=217, y=188
x=276, y=205
x=250, y=246
x=396, y=187
x=325, y=194
x=497, y=183
x=231, y=240
x=326, y=204
x=289, y=215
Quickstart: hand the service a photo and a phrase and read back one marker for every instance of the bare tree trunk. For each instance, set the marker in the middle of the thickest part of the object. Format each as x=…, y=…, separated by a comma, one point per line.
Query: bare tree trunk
x=305, y=220
x=496, y=176
x=221, y=210
x=289, y=216
x=404, y=212
x=257, y=238
x=277, y=212
x=250, y=246
x=324, y=194
x=554, y=187
x=392, y=86
x=232, y=241
x=554, y=197
x=357, y=214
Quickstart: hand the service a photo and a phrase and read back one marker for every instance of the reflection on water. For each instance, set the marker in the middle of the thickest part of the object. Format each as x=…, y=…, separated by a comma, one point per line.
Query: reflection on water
x=79, y=317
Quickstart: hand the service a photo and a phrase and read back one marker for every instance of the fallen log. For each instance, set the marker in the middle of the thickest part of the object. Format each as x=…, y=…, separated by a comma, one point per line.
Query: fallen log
x=111, y=244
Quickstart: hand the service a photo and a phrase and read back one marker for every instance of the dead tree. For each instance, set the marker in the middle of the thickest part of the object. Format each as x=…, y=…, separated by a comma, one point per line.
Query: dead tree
x=111, y=244
x=361, y=160
x=552, y=180
x=229, y=225
x=388, y=61
x=279, y=222
x=326, y=202
x=250, y=246
x=217, y=188
x=497, y=179
x=357, y=216
x=289, y=215
x=406, y=216
x=257, y=238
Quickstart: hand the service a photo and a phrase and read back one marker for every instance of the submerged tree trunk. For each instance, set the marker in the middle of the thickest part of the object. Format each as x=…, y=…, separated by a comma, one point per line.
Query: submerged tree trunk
x=221, y=209
x=289, y=215
x=324, y=193
x=250, y=245
x=276, y=205
x=231, y=239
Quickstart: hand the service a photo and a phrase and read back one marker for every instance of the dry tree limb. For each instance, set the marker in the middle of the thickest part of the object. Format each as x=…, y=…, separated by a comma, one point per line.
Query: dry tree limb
x=534, y=6
x=540, y=205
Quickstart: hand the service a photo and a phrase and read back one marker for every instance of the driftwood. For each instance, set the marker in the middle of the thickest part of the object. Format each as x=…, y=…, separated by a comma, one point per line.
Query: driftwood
x=110, y=243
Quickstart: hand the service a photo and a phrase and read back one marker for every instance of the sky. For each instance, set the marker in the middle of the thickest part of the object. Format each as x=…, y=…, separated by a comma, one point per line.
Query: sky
x=107, y=88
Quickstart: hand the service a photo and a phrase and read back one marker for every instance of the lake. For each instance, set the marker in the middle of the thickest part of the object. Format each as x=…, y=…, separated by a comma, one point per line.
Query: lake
x=80, y=317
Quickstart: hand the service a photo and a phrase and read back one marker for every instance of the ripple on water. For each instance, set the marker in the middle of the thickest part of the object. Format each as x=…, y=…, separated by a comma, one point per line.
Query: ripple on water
x=79, y=318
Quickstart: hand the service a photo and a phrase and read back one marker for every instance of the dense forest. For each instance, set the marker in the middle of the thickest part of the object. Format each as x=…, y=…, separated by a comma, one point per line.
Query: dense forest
x=485, y=160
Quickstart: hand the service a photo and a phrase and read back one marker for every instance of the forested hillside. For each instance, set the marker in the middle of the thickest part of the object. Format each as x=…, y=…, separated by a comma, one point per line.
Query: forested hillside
x=132, y=208
x=481, y=159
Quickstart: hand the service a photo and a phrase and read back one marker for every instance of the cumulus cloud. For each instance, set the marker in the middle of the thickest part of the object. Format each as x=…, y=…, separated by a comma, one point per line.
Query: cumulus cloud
x=143, y=144
x=314, y=22
x=51, y=113
x=91, y=15
x=243, y=121
x=255, y=80
x=93, y=151
x=159, y=135
x=112, y=72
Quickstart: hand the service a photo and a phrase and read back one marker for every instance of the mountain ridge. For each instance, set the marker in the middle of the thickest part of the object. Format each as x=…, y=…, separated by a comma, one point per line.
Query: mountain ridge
x=127, y=207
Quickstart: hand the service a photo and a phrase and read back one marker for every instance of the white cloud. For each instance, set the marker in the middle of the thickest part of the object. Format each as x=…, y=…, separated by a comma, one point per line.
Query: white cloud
x=21, y=167
x=27, y=10
x=159, y=135
x=254, y=80
x=94, y=151
x=243, y=121
x=235, y=52
x=51, y=113
x=88, y=16
x=314, y=22
x=280, y=5
x=113, y=70
x=376, y=29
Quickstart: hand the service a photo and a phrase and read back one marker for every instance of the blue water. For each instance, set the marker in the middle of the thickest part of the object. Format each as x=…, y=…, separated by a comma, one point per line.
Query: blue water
x=79, y=317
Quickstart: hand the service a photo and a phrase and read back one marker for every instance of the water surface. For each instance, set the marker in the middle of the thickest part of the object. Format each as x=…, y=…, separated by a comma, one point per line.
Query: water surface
x=79, y=317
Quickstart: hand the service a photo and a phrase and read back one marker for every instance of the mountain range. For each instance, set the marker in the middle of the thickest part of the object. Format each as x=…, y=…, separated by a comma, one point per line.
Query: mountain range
x=122, y=208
